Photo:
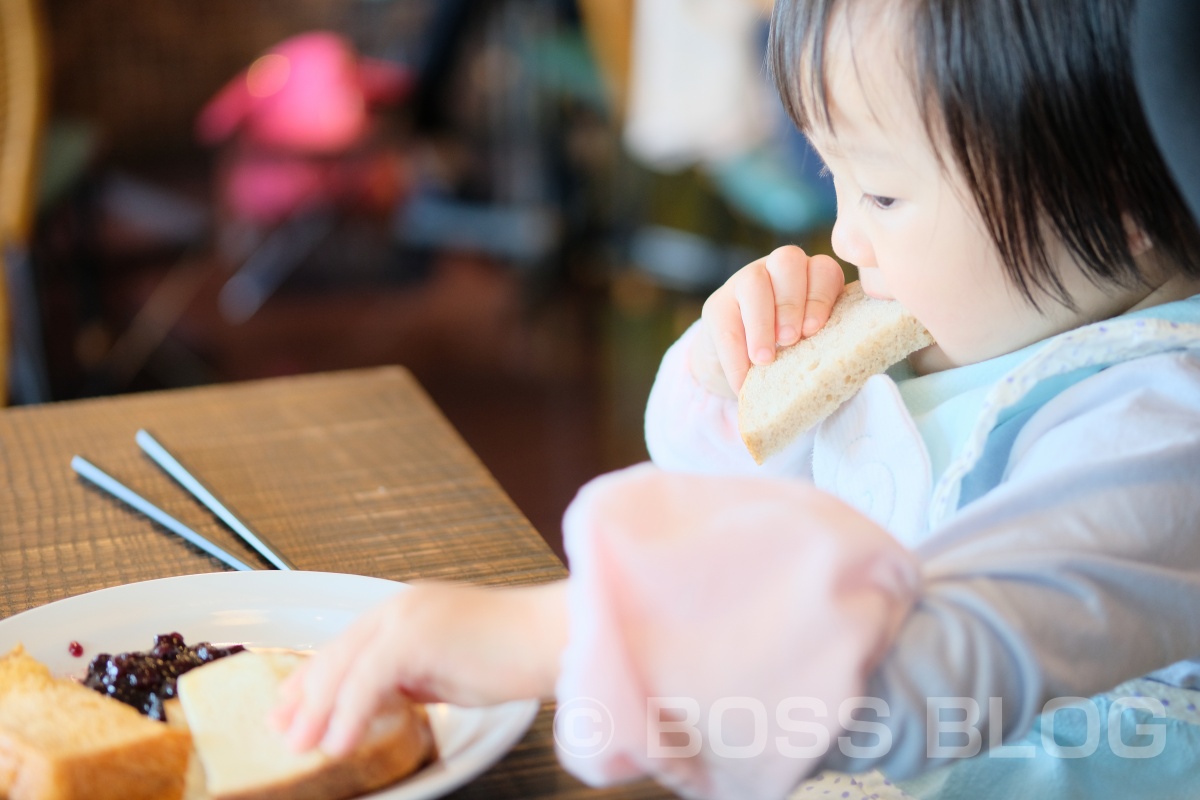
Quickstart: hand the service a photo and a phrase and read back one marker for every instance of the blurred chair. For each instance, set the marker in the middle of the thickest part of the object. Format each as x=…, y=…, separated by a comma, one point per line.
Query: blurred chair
x=22, y=114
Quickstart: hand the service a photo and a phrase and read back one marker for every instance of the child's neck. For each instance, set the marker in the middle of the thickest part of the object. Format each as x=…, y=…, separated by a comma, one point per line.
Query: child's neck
x=1179, y=287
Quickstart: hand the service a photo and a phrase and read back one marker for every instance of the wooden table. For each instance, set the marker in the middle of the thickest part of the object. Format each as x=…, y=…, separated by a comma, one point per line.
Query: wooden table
x=351, y=472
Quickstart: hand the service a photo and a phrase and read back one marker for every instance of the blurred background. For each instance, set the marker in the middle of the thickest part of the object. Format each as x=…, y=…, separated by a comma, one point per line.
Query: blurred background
x=522, y=201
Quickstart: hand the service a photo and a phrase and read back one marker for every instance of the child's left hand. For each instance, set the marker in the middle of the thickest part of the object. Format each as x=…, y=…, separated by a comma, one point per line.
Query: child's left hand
x=771, y=302
x=434, y=642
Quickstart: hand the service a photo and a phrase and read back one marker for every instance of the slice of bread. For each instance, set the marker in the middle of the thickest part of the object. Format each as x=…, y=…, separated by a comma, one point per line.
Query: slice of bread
x=227, y=704
x=60, y=740
x=809, y=380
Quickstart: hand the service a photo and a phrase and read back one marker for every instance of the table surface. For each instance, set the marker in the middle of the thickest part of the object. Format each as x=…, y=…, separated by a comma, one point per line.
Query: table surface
x=354, y=472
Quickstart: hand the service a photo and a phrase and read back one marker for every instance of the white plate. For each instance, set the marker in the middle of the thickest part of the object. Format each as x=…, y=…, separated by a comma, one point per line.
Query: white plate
x=299, y=610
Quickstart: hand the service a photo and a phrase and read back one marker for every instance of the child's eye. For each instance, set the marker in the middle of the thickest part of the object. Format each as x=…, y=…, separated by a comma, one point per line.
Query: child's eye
x=880, y=202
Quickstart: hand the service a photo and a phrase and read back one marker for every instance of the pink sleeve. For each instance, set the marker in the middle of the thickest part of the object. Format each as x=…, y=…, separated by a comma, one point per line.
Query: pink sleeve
x=689, y=429
x=731, y=604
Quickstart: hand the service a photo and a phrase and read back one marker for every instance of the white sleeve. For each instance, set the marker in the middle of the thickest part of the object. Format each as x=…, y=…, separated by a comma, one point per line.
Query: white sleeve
x=689, y=429
x=1079, y=571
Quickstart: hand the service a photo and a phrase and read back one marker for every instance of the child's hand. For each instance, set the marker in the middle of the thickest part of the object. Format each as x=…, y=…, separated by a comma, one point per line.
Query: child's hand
x=774, y=300
x=433, y=642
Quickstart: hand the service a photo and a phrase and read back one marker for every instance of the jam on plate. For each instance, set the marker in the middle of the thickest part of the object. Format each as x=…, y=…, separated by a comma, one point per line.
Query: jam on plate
x=145, y=680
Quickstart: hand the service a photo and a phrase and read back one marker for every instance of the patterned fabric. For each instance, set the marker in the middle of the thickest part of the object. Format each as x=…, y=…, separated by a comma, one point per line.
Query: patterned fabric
x=1102, y=774
x=872, y=785
x=870, y=454
x=1078, y=353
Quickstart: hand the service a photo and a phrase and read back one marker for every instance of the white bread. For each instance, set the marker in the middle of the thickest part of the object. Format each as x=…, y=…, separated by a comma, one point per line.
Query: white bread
x=809, y=380
x=226, y=704
x=60, y=740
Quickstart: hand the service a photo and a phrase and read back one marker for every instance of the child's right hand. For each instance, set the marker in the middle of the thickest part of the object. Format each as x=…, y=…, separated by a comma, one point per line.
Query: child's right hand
x=777, y=299
x=433, y=642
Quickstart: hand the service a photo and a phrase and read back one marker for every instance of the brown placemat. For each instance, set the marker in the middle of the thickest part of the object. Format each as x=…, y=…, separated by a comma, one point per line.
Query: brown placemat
x=344, y=472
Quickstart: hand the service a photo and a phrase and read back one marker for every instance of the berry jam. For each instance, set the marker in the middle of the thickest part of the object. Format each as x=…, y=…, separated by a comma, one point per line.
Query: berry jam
x=145, y=680
x=75, y=649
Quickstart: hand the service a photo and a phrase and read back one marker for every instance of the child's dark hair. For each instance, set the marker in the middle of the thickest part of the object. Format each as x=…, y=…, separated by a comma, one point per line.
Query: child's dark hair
x=1037, y=103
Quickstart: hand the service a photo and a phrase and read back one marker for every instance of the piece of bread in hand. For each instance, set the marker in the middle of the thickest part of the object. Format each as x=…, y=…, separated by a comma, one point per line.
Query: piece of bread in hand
x=809, y=380
x=227, y=705
x=60, y=740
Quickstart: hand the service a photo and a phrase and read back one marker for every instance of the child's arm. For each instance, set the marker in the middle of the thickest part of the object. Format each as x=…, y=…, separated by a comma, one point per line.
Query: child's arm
x=691, y=416
x=434, y=642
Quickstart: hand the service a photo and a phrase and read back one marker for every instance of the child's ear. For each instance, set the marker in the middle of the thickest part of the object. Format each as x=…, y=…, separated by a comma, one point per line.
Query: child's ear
x=1139, y=242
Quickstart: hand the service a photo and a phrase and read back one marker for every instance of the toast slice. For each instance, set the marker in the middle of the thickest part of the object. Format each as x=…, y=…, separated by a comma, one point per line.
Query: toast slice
x=60, y=740
x=227, y=703
x=809, y=380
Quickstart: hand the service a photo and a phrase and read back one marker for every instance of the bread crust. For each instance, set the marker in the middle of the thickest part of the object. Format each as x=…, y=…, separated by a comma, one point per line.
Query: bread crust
x=380, y=762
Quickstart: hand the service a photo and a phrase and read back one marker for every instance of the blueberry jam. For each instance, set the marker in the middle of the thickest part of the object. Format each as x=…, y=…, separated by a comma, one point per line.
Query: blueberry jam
x=146, y=680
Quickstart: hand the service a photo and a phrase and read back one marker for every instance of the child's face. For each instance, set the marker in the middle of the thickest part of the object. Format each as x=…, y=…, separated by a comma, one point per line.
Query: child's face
x=906, y=220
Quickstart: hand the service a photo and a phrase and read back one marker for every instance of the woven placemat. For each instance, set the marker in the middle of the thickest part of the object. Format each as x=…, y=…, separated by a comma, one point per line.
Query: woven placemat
x=352, y=472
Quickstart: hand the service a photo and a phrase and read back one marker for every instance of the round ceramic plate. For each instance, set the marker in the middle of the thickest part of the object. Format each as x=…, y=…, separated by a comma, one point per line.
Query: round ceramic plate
x=297, y=610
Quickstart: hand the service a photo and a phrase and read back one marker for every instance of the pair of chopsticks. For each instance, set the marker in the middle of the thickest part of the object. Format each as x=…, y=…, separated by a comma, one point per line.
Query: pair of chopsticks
x=170, y=464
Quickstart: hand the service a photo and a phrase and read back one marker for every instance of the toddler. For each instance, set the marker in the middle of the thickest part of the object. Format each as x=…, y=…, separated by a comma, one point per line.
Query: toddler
x=1000, y=526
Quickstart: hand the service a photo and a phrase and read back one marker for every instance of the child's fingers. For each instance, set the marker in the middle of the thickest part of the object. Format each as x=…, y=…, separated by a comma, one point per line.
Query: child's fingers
x=756, y=301
x=825, y=284
x=772, y=301
x=363, y=691
x=311, y=718
x=723, y=320
x=787, y=268
x=705, y=365
x=290, y=696
x=322, y=679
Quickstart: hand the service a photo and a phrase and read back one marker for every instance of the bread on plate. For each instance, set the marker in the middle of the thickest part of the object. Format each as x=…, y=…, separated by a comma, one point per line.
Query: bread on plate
x=60, y=740
x=226, y=706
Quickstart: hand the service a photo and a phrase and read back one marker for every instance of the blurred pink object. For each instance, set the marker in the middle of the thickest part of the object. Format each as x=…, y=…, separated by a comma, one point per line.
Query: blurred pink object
x=268, y=190
x=698, y=590
x=300, y=119
x=310, y=93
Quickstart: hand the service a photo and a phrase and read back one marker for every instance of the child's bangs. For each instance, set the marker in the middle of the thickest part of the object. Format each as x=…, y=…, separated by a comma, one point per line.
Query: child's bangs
x=799, y=57
x=796, y=59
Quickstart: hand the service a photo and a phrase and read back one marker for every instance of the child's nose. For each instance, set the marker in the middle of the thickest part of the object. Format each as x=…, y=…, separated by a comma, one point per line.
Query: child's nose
x=849, y=243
